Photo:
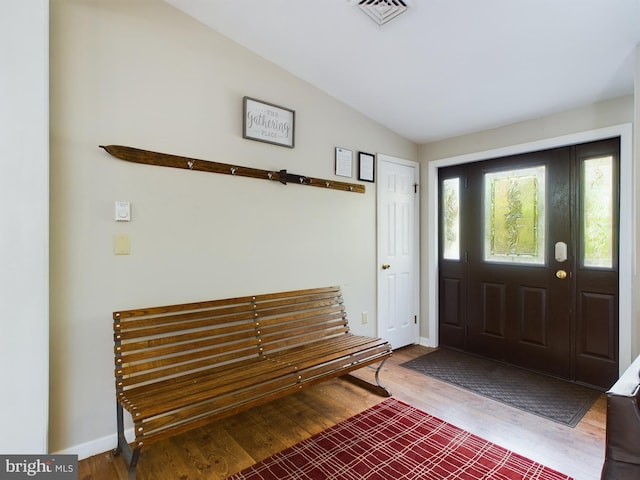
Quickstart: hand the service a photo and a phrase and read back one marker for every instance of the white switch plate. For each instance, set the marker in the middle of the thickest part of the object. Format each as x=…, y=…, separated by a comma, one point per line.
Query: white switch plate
x=123, y=211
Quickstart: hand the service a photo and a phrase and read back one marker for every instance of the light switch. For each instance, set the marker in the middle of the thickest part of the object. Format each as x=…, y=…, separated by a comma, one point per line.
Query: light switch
x=122, y=245
x=123, y=211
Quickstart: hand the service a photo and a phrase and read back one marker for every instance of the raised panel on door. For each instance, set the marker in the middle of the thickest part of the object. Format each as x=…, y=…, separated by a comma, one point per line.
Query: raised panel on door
x=389, y=306
x=494, y=310
x=533, y=316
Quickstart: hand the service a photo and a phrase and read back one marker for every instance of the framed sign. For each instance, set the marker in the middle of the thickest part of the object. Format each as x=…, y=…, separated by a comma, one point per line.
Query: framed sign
x=366, y=167
x=268, y=123
x=344, y=162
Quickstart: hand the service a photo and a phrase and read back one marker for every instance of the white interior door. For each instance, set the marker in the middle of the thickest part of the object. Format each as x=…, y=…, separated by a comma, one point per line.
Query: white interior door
x=398, y=252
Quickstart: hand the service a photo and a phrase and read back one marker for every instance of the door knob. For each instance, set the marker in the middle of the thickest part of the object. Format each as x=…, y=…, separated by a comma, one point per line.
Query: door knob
x=561, y=274
x=385, y=266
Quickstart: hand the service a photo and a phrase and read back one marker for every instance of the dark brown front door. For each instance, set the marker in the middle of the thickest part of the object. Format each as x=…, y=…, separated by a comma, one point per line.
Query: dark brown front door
x=528, y=260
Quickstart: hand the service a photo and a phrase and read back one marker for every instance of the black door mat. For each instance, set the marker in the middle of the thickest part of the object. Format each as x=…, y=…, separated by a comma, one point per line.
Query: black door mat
x=557, y=400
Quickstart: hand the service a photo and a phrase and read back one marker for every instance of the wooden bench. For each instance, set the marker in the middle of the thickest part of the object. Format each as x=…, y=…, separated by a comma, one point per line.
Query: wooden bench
x=180, y=367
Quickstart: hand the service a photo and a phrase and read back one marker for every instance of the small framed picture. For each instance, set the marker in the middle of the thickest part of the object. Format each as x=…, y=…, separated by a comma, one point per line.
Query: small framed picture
x=366, y=167
x=344, y=162
x=268, y=123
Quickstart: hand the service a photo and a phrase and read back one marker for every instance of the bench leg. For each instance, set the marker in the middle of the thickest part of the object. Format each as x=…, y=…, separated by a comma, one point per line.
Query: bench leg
x=378, y=382
x=379, y=388
x=133, y=463
x=130, y=457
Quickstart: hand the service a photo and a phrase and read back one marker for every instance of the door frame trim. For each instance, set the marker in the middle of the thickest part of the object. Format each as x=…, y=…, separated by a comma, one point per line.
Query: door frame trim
x=417, y=234
x=627, y=222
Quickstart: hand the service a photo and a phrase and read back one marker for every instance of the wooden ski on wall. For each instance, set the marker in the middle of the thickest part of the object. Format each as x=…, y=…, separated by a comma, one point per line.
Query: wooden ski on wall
x=136, y=155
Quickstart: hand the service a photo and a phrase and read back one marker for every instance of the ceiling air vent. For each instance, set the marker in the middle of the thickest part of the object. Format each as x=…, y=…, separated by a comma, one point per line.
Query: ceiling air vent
x=382, y=11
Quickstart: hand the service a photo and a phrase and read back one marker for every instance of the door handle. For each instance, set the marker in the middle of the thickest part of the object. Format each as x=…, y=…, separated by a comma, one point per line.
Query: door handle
x=561, y=274
x=385, y=266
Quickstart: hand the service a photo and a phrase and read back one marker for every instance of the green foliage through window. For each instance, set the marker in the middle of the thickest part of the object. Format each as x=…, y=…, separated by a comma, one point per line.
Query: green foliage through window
x=597, y=212
x=451, y=204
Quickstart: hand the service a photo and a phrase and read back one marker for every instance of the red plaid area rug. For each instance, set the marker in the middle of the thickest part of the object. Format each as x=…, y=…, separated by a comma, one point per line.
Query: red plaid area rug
x=394, y=441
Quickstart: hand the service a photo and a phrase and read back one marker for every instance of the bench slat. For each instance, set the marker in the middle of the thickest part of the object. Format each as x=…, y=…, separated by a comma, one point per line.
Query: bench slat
x=176, y=393
x=342, y=345
x=265, y=297
x=210, y=364
x=240, y=347
x=184, y=307
x=202, y=415
x=161, y=346
x=280, y=342
x=317, y=316
x=124, y=334
x=299, y=304
x=133, y=323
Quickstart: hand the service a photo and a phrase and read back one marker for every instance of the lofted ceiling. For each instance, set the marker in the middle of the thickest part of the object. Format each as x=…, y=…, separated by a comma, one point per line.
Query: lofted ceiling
x=443, y=68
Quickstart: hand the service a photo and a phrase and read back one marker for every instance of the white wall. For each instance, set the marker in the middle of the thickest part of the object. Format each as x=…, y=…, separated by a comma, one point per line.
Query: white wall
x=24, y=188
x=589, y=117
x=143, y=74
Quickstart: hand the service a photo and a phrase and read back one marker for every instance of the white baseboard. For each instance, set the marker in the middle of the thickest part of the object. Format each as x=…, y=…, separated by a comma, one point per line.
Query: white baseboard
x=97, y=446
x=427, y=342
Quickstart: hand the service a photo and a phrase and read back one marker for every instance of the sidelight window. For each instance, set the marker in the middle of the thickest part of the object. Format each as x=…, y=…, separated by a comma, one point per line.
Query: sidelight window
x=597, y=212
x=451, y=218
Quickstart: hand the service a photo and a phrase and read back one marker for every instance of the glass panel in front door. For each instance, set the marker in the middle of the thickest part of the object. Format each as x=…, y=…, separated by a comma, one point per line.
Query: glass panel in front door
x=597, y=225
x=451, y=211
x=514, y=216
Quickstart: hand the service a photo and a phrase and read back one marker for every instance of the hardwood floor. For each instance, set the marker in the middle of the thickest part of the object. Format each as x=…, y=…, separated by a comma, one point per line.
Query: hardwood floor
x=231, y=444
